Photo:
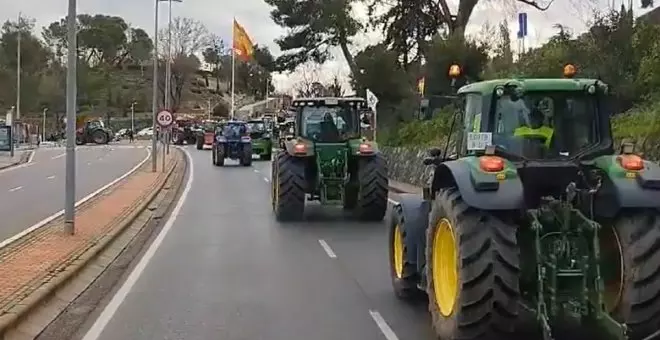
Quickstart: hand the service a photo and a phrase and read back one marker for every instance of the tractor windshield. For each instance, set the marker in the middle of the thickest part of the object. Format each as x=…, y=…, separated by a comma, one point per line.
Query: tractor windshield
x=256, y=126
x=209, y=126
x=545, y=125
x=330, y=123
x=234, y=130
x=95, y=124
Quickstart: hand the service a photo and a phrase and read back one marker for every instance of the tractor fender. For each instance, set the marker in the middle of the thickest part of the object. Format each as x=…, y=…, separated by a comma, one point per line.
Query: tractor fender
x=508, y=195
x=640, y=191
x=414, y=211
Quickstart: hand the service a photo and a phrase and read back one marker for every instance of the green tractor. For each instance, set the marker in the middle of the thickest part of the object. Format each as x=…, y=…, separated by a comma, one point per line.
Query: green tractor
x=262, y=142
x=533, y=222
x=327, y=160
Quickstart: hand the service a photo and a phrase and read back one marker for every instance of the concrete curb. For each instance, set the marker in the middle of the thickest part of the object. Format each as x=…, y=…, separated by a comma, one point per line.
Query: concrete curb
x=45, y=291
x=403, y=188
x=24, y=158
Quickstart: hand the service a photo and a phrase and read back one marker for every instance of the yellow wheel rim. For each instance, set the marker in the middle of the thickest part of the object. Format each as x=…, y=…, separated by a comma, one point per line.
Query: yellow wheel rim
x=445, y=272
x=397, y=249
x=611, y=270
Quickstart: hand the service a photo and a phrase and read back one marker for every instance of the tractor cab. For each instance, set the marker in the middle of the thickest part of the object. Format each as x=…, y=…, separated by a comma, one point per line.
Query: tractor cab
x=329, y=120
x=535, y=124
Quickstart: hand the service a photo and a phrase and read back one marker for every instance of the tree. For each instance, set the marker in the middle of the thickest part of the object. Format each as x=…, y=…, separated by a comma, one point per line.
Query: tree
x=189, y=38
x=334, y=88
x=213, y=57
x=34, y=61
x=308, y=75
x=313, y=27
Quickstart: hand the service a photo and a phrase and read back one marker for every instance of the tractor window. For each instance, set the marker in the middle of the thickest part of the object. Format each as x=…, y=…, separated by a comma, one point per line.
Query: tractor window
x=546, y=124
x=256, y=126
x=95, y=124
x=234, y=131
x=329, y=123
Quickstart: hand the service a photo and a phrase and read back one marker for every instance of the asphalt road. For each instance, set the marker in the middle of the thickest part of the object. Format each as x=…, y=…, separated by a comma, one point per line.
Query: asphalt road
x=34, y=191
x=227, y=270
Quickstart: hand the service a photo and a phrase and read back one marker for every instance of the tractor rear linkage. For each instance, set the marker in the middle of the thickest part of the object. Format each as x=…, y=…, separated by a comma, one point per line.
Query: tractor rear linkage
x=568, y=268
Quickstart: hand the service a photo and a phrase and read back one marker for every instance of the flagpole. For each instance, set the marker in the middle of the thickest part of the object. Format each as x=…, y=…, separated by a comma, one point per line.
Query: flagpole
x=233, y=64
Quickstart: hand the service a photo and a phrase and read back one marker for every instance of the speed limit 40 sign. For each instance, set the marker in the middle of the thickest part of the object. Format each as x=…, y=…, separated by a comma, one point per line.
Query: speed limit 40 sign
x=164, y=119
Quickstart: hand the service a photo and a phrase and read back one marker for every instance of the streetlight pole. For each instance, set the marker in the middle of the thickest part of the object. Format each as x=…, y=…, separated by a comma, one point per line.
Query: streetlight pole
x=18, y=68
x=43, y=126
x=154, y=99
x=71, y=86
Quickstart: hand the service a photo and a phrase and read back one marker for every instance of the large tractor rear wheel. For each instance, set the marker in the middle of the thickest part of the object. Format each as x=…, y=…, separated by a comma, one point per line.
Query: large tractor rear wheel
x=100, y=137
x=403, y=272
x=472, y=271
x=288, y=187
x=373, y=188
x=631, y=248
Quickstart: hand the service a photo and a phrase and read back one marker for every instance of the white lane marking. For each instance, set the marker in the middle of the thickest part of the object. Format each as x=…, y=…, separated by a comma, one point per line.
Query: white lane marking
x=32, y=153
x=50, y=177
x=328, y=250
x=266, y=179
x=89, y=163
x=15, y=189
x=83, y=200
x=58, y=156
x=383, y=326
x=256, y=171
x=111, y=308
x=392, y=201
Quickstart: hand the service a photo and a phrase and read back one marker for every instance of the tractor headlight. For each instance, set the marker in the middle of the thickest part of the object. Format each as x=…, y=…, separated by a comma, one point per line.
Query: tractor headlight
x=499, y=92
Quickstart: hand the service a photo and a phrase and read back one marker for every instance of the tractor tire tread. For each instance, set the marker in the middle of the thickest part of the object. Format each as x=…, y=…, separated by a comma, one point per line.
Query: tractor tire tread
x=489, y=269
x=639, y=233
x=291, y=190
x=372, y=195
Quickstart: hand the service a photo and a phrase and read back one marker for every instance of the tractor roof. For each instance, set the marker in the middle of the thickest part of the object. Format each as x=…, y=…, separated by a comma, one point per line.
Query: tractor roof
x=530, y=84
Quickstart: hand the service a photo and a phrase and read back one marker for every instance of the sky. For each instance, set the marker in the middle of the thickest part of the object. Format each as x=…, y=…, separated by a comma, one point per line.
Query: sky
x=254, y=15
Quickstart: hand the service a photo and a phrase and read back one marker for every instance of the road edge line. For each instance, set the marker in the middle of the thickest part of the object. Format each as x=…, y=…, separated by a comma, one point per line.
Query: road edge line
x=43, y=293
x=108, y=312
x=52, y=217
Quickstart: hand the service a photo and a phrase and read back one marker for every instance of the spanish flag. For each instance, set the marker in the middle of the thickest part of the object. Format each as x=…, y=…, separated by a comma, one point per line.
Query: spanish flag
x=242, y=44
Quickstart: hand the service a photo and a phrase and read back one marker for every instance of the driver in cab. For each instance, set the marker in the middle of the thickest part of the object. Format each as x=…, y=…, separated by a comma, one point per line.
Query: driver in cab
x=329, y=130
x=538, y=124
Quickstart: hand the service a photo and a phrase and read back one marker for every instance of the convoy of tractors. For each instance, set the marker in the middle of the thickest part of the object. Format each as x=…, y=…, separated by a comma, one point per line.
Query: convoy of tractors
x=529, y=221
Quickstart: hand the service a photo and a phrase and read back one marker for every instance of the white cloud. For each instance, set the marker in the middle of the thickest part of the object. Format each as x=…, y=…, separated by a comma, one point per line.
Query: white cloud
x=254, y=16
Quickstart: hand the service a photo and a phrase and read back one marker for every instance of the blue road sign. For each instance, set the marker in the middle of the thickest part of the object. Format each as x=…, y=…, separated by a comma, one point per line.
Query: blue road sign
x=522, y=25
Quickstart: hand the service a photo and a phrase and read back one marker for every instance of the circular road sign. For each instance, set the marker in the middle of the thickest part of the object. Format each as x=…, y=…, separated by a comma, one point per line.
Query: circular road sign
x=164, y=118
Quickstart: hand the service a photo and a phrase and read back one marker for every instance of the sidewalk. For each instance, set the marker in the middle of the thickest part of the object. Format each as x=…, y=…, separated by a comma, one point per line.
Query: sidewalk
x=30, y=262
x=20, y=156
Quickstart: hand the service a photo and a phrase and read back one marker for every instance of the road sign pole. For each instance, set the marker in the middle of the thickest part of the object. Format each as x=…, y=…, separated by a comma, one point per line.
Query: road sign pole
x=154, y=99
x=70, y=179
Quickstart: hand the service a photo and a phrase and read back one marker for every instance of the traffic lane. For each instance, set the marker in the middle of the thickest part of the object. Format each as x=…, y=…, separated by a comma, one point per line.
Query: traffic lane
x=227, y=270
x=44, y=162
x=39, y=191
x=362, y=250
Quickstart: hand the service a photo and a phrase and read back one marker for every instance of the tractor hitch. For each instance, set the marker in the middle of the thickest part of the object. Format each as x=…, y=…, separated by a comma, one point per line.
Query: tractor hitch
x=569, y=283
